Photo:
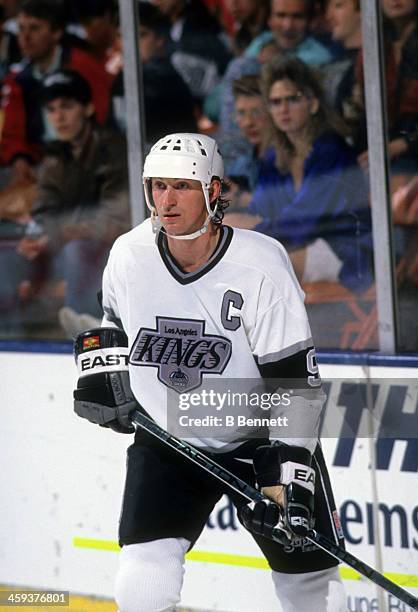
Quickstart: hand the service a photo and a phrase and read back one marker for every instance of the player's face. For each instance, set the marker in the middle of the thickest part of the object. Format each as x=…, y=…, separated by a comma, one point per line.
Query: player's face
x=251, y=117
x=344, y=19
x=395, y=9
x=68, y=118
x=289, y=22
x=180, y=204
x=36, y=38
x=290, y=108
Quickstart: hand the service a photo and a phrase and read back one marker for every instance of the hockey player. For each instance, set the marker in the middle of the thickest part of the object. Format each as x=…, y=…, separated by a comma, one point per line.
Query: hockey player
x=198, y=299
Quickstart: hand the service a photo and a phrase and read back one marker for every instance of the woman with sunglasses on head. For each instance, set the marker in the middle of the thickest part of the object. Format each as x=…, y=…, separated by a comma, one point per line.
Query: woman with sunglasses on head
x=311, y=194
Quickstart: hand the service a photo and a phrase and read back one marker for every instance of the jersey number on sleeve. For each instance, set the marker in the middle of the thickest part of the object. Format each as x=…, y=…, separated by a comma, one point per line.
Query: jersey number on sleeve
x=314, y=380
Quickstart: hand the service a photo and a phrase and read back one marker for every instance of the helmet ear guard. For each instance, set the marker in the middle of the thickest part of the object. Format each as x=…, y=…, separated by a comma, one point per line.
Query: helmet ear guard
x=187, y=156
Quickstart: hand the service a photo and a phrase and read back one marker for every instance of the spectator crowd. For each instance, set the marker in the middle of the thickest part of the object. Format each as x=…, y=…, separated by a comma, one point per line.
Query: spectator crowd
x=278, y=83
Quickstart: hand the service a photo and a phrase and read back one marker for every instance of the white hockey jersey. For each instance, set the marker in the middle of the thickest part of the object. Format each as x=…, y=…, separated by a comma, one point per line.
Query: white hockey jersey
x=239, y=316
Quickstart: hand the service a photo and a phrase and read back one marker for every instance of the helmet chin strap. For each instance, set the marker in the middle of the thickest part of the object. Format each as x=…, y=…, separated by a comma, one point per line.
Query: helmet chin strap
x=157, y=227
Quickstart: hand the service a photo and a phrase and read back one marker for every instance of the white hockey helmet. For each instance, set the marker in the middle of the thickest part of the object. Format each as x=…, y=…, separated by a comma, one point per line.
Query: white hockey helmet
x=187, y=156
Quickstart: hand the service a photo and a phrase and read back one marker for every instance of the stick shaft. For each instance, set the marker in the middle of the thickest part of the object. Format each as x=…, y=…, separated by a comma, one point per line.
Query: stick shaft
x=362, y=568
x=251, y=494
x=197, y=457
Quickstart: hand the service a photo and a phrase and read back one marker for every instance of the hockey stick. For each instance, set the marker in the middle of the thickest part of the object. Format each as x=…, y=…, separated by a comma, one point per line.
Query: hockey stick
x=251, y=494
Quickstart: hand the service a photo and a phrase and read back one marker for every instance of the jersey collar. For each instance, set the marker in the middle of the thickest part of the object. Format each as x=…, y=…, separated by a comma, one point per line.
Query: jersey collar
x=184, y=278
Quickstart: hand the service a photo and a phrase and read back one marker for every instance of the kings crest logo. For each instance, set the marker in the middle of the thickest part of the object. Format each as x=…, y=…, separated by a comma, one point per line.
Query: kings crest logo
x=181, y=351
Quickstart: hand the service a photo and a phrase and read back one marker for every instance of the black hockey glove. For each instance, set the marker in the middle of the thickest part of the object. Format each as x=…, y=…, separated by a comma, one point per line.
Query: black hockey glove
x=289, y=466
x=262, y=517
x=103, y=395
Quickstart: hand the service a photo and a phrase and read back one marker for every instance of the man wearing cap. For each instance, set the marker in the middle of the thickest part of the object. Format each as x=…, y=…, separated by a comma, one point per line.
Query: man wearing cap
x=82, y=203
x=44, y=50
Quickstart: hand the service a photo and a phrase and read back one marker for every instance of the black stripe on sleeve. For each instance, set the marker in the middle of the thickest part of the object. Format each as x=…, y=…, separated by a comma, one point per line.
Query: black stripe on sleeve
x=295, y=371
